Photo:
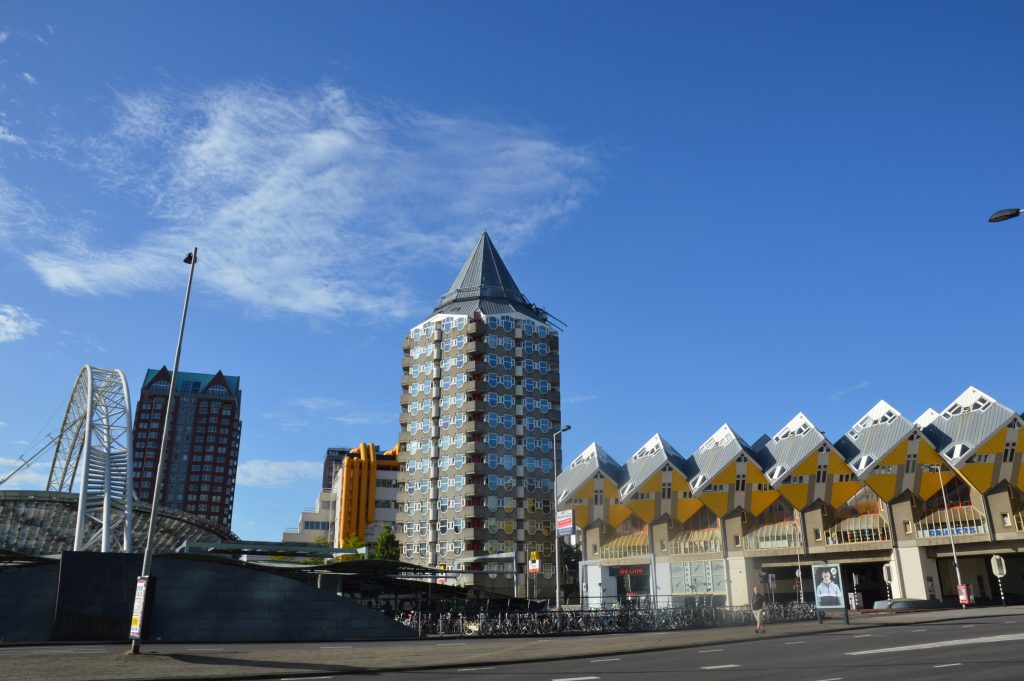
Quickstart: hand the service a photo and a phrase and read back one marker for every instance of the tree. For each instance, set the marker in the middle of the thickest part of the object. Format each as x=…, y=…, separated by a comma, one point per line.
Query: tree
x=386, y=547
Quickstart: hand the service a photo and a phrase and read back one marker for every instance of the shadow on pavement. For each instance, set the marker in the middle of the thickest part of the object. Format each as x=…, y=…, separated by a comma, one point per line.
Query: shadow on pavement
x=268, y=664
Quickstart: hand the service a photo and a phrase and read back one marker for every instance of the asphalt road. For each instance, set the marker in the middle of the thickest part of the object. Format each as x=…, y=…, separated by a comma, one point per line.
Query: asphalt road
x=963, y=649
x=989, y=648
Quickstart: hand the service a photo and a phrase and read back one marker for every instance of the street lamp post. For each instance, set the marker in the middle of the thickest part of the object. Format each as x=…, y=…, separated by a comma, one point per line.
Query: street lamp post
x=949, y=527
x=147, y=556
x=554, y=505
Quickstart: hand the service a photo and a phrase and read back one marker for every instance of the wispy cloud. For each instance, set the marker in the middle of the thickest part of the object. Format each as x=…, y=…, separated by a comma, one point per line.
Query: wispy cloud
x=33, y=477
x=320, y=403
x=4, y=424
x=29, y=78
x=16, y=324
x=20, y=216
x=4, y=35
x=846, y=391
x=265, y=473
x=285, y=421
x=289, y=195
x=9, y=137
x=576, y=399
x=365, y=418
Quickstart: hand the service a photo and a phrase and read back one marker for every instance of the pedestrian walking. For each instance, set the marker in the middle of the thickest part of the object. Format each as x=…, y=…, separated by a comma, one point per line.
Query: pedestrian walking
x=757, y=606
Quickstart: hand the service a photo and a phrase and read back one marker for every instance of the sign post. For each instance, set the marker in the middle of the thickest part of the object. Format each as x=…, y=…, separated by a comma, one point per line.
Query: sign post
x=887, y=576
x=999, y=570
x=137, y=609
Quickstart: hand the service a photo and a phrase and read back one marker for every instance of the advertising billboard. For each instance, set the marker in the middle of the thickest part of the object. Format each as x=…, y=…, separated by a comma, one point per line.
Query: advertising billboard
x=564, y=523
x=828, y=587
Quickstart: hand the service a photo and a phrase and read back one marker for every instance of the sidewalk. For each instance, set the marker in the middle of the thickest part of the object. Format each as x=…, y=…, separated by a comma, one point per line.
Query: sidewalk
x=276, y=662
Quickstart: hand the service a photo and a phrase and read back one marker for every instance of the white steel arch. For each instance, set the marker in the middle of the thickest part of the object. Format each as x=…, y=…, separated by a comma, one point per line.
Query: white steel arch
x=96, y=436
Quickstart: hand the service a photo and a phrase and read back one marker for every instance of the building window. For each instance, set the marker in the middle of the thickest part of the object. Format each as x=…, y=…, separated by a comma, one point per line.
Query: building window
x=817, y=534
x=907, y=529
x=1007, y=522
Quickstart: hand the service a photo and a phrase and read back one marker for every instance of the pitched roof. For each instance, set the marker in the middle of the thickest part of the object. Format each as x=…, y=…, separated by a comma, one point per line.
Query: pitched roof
x=485, y=284
x=186, y=379
x=791, y=445
x=717, y=452
x=968, y=422
x=591, y=460
x=873, y=437
x=649, y=460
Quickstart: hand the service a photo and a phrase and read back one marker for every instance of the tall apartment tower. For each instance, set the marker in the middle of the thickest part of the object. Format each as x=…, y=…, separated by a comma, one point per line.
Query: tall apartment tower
x=480, y=405
x=201, y=460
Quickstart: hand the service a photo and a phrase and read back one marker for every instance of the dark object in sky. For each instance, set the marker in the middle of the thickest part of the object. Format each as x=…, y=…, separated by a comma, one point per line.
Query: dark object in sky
x=1006, y=214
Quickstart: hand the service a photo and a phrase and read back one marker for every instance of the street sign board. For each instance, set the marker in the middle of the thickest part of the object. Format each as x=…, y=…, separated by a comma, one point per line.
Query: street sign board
x=828, y=586
x=998, y=566
x=534, y=566
x=140, y=601
x=564, y=523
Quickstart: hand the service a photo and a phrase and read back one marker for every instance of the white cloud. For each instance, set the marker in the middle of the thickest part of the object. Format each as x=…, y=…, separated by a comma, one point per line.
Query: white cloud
x=20, y=216
x=9, y=137
x=4, y=35
x=16, y=324
x=320, y=403
x=849, y=389
x=576, y=399
x=290, y=197
x=265, y=473
x=33, y=477
x=29, y=78
x=365, y=418
x=4, y=424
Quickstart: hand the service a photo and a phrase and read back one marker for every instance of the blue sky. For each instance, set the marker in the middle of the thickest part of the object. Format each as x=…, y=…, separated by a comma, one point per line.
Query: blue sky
x=742, y=210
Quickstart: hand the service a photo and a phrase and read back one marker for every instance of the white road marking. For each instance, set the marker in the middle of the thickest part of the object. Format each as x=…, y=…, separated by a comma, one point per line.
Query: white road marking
x=711, y=650
x=951, y=664
x=862, y=635
x=1010, y=622
x=794, y=643
x=966, y=625
x=473, y=669
x=579, y=678
x=53, y=651
x=917, y=630
x=607, y=659
x=301, y=678
x=943, y=644
x=834, y=678
x=722, y=666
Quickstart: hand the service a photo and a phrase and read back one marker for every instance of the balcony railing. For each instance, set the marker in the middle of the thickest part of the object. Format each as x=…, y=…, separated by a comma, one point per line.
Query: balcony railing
x=689, y=542
x=626, y=546
x=860, y=529
x=963, y=520
x=784, y=535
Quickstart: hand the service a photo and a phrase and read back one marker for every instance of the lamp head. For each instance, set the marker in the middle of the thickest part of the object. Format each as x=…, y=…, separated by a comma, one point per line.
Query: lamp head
x=1001, y=215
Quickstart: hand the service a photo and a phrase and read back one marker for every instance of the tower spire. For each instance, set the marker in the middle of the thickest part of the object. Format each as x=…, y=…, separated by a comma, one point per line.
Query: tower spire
x=485, y=283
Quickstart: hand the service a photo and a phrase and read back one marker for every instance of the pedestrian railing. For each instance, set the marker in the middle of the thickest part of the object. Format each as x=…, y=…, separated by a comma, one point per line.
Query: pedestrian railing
x=603, y=621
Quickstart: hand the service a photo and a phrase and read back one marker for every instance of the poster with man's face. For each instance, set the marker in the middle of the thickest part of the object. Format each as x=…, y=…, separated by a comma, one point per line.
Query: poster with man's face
x=828, y=586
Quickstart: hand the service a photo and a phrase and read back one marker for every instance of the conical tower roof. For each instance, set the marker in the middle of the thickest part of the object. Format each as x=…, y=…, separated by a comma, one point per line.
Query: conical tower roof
x=485, y=284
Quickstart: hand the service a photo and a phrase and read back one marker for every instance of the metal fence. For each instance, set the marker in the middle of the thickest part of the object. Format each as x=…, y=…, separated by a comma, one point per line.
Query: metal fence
x=603, y=621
